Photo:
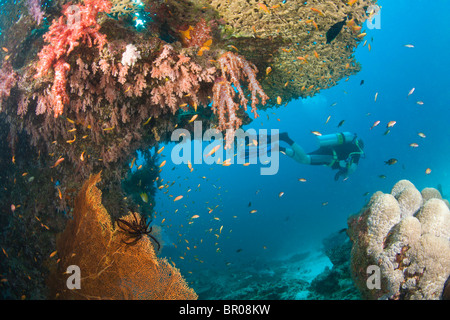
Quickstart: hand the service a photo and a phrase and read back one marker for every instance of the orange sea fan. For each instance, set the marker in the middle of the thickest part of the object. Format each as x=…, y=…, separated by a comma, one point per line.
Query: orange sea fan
x=110, y=269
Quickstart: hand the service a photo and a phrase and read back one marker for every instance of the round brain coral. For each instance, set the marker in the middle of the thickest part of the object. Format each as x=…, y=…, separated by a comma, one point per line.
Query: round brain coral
x=407, y=235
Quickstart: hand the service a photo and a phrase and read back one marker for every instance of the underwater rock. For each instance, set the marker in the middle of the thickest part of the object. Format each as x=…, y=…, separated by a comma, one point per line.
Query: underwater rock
x=409, y=244
x=335, y=283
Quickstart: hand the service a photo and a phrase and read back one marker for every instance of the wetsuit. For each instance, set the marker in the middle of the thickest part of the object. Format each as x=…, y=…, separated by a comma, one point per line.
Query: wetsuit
x=343, y=157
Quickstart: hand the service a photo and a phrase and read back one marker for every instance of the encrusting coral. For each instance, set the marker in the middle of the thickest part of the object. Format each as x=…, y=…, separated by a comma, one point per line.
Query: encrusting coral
x=407, y=235
x=290, y=38
x=110, y=268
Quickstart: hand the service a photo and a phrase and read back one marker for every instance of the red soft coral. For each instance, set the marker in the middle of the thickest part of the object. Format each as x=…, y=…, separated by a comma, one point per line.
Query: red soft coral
x=77, y=25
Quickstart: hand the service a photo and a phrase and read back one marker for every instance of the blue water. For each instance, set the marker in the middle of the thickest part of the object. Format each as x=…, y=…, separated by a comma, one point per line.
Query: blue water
x=299, y=220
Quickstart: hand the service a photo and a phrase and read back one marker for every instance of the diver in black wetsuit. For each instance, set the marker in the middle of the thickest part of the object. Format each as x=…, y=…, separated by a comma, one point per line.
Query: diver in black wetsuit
x=339, y=151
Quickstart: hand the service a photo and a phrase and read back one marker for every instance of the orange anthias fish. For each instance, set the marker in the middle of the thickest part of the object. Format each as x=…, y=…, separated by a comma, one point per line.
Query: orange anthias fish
x=263, y=7
x=57, y=162
x=391, y=124
x=193, y=118
x=212, y=151
x=375, y=124
x=317, y=10
x=278, y=100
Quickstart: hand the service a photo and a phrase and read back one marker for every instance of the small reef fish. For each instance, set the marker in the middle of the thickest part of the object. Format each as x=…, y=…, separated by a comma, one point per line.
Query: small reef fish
x=375, y=124
x=422, y=135
x=59, y=193
x=391, y=124
x=280, y=194
x=316, y=133
x=57, y=162
x=351, y=2
x=178, y=198
x=420, y=103
x=214, y=150
x=334, y=30
x=268, y=70
x=391, y=161
x=144, y=197
x=408, y=46
x=341, y=123
x=376, y=97
x=72, y=141
x=193, y=118
x=148, y=120
x=302, y=179
x=428, y=171
x=411, y=92
x=162, y=164
x=263, y=7
x=413, y=145
x=317, y=11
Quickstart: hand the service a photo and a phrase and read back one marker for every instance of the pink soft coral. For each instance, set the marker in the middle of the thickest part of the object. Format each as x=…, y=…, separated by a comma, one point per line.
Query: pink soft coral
x=8, y=79
x=78, y=24
x=179, y=76
x=235, y=69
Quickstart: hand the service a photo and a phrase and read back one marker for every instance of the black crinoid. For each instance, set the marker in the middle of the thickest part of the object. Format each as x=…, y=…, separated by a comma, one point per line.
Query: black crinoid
x=136, y=229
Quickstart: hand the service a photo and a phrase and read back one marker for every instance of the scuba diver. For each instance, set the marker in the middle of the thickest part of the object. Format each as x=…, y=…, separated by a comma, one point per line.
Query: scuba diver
x=339, y=151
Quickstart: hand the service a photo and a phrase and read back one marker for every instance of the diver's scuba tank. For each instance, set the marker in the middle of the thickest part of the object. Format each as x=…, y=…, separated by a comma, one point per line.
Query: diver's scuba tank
x=335, y=139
